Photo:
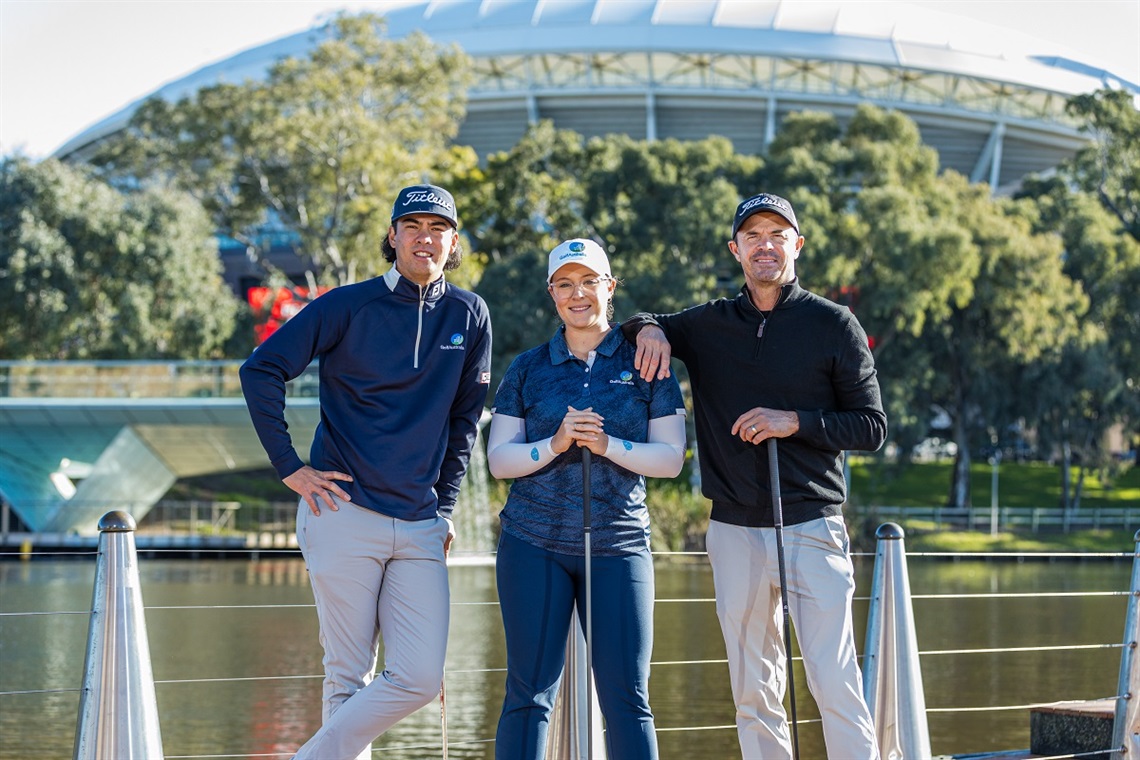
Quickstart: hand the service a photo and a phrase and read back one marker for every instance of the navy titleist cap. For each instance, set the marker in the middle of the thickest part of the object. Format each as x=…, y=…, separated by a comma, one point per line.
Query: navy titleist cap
x=764, y=202
x=425, y=199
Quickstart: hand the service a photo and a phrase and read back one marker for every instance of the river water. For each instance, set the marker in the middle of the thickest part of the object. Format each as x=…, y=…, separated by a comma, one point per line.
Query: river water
x=239, y=680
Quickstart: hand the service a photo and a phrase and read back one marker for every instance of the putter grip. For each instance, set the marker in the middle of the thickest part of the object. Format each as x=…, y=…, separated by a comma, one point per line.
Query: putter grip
x=586, y=488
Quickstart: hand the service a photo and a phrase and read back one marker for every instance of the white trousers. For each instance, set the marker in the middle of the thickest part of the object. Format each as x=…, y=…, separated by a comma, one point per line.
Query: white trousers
x=374, y=577
x=821, y=584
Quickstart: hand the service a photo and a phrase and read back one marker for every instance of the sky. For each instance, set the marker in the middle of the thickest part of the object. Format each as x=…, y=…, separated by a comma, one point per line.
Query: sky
x=66, y=64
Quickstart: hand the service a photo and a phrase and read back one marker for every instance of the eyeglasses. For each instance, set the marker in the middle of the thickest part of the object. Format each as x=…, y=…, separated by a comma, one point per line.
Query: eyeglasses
x=564, y=289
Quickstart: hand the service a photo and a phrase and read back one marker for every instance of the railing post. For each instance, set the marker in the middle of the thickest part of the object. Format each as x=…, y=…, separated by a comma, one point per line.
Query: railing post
x=1126, y=720
x=118, y=711
x=892, y=679
x=566, y=738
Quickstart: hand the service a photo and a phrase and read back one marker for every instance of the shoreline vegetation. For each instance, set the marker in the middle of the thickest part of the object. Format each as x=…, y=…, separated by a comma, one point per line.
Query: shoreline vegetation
x=680, y=517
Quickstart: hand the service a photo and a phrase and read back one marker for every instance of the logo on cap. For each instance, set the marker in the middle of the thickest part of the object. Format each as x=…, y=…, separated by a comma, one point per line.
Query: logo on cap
x=424, y=199
x=427, y=196
x=766, y=200
x=577, y=247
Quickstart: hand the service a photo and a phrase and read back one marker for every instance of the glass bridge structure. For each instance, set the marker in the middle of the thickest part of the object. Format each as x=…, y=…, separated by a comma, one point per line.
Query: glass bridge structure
x=80, y=438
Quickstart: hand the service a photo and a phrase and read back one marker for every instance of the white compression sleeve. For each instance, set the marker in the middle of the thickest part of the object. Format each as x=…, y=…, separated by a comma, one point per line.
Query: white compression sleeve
x=661, y=457
x=509, y=455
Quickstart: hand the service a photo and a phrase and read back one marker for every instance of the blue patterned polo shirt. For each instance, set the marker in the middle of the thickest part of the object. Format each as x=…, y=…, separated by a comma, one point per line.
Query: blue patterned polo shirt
x=545, y=507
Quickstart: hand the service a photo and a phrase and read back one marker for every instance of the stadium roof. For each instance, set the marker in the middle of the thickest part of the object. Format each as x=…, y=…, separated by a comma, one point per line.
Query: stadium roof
x=689, y=68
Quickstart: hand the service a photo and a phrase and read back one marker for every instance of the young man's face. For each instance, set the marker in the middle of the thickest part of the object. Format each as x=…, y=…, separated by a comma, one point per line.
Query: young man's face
x=423, y=243
x=767, y=246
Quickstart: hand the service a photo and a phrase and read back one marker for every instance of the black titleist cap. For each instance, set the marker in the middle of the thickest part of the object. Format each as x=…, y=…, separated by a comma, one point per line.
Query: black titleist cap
x=425, y=199
x=764, y=202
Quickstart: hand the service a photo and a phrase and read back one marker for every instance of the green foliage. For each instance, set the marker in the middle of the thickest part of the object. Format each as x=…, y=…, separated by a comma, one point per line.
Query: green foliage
x=661, y=209
x=92, y=273
x=321, y=145
x=1110, y=167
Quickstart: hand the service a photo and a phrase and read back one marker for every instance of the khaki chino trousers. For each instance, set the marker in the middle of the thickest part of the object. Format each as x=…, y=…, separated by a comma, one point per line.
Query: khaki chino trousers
x=374, y=578
x=821, y=585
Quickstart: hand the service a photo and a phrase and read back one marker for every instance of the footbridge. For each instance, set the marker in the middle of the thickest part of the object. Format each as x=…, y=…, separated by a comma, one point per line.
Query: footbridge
x=78, y=438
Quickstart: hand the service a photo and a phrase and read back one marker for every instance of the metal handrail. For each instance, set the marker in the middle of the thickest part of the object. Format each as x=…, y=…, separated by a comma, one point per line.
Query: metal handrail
x=695, y=600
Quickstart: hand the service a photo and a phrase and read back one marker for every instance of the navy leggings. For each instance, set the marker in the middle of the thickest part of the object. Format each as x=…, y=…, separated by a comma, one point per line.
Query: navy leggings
x=537, y=591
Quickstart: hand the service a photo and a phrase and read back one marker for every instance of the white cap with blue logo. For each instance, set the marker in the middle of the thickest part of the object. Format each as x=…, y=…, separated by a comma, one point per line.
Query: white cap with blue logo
x=579, y=251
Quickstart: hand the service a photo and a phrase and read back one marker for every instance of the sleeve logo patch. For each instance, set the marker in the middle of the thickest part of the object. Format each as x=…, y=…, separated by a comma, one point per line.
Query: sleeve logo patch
x=456, y=343
x=485, y=378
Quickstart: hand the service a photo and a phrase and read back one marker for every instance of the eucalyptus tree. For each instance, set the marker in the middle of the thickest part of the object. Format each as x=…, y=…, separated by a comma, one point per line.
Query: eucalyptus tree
x=665, y=209
x=662, y=209
x=1094, y=385
x=88, y=272
x=318, y=148
x=1109, y=168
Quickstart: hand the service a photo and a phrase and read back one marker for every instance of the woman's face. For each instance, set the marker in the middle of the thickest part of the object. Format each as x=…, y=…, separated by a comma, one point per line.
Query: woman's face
x=581, y=296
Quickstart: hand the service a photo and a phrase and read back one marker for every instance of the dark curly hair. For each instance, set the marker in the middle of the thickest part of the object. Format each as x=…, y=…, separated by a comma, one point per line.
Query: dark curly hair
x=453, y=260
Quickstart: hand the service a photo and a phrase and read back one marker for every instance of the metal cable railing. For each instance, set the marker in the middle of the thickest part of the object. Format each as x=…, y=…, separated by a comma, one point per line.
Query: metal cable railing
x=657, y=664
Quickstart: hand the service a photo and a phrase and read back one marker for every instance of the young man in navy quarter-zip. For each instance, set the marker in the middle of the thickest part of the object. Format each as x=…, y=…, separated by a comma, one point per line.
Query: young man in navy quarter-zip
x=405, y=363
x=777, y=362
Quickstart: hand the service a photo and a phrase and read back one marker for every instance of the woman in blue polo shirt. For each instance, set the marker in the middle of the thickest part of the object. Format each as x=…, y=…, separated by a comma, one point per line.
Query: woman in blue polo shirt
x=579, y=390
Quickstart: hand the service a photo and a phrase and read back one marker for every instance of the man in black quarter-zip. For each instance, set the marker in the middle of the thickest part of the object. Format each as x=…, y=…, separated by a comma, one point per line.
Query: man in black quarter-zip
x=404, y=371
x=777, y=362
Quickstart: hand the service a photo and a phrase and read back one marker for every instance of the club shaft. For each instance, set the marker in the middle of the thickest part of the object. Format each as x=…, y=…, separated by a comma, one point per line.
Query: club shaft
x=778, y=521
x=589, y=605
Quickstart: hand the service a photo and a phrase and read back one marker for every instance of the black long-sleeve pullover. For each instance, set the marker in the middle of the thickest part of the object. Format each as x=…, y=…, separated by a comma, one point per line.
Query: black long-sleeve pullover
x=809, y=355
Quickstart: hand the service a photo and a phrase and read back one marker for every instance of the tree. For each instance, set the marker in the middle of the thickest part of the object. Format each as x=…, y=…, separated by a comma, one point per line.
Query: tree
x=664, y=208
x=1110, y=167
x=661, y=209
x=317, y=149
x=532, y=200
x=89, y=272
x=1093, y=384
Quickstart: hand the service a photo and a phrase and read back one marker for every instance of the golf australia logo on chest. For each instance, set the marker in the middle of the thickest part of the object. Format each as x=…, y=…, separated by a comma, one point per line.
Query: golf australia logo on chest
x=625, y=377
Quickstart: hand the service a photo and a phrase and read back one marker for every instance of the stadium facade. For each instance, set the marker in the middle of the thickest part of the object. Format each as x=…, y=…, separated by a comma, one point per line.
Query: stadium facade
x=991, y=101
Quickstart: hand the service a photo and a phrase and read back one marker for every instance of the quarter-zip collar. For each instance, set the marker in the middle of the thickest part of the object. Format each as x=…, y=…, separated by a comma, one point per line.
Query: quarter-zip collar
x=405, y=288
x=423, y=295
x=790, y=292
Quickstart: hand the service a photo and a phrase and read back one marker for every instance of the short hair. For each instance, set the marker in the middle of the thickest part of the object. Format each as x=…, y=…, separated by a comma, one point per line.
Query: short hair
x=454, y=259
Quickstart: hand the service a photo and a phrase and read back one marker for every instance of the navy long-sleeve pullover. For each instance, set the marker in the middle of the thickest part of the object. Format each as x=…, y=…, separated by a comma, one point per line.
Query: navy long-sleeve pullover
x=404, y=373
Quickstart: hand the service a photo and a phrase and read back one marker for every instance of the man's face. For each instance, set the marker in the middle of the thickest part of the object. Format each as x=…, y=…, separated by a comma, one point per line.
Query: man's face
x=423, y=243
x=767, y=246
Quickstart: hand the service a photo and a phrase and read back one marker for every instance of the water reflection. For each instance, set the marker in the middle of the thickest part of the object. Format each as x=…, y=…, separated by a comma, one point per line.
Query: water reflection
x=234, y=648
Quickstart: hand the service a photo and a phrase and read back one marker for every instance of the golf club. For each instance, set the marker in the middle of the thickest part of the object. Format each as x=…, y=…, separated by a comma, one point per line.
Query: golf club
x=589, y=605
x=778, y=519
